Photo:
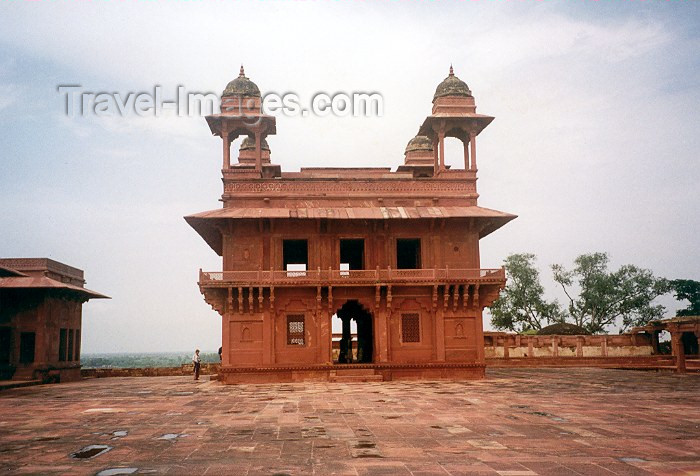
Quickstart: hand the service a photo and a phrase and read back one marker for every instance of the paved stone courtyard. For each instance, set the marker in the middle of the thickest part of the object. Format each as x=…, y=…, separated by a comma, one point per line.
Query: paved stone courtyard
x=517, y=422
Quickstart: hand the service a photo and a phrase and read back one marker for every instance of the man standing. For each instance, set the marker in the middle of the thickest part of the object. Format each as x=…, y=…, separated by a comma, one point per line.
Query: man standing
x=197, y=362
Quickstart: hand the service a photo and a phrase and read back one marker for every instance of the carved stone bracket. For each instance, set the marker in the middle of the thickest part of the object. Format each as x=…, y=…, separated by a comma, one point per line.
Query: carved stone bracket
x=217, y=300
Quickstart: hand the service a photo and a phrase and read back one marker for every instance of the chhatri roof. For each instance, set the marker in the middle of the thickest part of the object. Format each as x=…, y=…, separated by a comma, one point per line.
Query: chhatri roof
x=241, y=86
x=452, y=86
x=249, y=143
x=419, y=143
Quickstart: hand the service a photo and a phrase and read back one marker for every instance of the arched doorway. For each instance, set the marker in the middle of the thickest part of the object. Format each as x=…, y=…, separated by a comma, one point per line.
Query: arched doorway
x=352, y=310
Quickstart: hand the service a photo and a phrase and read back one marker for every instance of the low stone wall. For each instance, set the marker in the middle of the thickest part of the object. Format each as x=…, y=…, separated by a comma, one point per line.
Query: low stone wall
x=185, y=369
x=500, y=345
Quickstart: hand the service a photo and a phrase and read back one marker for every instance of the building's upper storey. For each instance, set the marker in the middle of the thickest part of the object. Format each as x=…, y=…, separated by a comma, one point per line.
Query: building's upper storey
x=423, y=187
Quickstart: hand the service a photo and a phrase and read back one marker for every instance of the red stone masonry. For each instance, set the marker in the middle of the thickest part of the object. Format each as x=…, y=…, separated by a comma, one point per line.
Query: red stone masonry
x=41, y=319
x=368, y=244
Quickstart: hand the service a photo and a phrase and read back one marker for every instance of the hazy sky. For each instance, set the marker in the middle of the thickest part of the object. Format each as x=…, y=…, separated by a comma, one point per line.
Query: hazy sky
x=594, y=145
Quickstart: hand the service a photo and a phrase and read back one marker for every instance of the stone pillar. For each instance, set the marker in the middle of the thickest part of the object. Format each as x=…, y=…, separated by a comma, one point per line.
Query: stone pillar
x=258, y=151
x=227, y=149
x=479, y=324
x=472, y=142
x=225, y=330
x=436, y=164
x=678, y=349
x=439, y=317
x=380, y=336
x=579, y=346
x=530, y=349
x=441, y=139
x=40, y=335
x=267, y=331
x=345, y=355
x=324, y=333
x=604, y=347
x=465, y=143
x=655, y=343
x=506, y=347
x=555, y=346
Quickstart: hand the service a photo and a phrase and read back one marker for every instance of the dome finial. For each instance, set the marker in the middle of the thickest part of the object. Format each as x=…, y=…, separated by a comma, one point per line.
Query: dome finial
x=452, y=72
x=241, y=74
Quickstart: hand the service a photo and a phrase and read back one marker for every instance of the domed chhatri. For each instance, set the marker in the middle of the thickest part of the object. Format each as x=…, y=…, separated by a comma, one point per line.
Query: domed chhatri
x=422, y=143
x=562, y=328
x=452, y=86
x=241, y=86
x=249, y=144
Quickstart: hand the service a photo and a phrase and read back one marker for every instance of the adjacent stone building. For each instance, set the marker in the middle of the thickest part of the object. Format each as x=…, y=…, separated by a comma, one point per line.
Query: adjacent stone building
x=395, y=251
x=41, y=319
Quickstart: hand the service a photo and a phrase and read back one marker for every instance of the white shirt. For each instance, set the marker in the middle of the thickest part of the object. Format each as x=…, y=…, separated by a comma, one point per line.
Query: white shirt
x=195, y=357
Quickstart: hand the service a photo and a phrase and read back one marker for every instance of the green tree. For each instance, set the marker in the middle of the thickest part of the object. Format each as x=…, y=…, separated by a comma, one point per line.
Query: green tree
x=605, y=297
x=521, y=306
x=690, y=290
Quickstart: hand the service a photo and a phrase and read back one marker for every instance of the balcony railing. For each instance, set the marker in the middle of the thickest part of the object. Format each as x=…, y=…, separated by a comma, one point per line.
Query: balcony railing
x=336, y=277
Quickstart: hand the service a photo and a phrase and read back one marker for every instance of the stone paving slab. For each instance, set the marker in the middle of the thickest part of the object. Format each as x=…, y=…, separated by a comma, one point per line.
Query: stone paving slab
x=517, y=422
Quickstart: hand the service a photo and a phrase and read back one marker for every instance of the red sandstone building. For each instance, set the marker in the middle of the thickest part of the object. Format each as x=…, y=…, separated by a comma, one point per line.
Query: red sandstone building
x=40, y=319
x=395, y=251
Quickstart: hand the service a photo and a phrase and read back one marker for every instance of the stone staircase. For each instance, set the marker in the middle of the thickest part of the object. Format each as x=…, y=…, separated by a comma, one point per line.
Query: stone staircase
x=23, y=373
x=355, y=375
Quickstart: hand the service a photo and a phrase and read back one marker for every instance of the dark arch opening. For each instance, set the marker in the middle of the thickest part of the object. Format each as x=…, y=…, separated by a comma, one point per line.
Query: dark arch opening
x=353, y=310
x=690, y=343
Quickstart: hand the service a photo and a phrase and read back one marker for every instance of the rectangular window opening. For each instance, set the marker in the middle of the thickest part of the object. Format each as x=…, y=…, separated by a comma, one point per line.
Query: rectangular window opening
x=77, y=345
x=295, y=330
x=295, y=257
x=70, y=345
x=410, y=328
x=27, y=342
x=408, y=253
x=352, y=254
x=5, y=344
x=62, y=345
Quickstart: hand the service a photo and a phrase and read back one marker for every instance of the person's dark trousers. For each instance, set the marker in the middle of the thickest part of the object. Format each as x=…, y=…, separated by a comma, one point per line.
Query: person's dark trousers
x=196, y=370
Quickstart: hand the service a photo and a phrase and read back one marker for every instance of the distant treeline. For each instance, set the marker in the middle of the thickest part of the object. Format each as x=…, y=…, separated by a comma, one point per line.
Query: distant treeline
x=143, y=360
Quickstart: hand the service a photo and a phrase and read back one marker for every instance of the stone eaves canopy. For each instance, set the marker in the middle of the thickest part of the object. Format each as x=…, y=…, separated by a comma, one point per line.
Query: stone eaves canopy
x=43, y=282
x=208, y=223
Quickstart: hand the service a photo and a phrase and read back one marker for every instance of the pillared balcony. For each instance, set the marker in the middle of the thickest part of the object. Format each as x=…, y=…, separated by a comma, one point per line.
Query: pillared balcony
x=364, y=277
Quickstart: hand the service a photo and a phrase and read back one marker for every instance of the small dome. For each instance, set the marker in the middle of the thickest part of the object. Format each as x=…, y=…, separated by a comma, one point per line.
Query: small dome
x=419, y=143
x=241, y=86
x=562, y=328
x=249, y=144
x=452, y=86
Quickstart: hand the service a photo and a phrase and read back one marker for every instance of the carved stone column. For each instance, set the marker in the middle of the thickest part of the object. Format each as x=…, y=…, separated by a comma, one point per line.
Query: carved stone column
x=227, y=148
x=677, y=348
x=472, y=142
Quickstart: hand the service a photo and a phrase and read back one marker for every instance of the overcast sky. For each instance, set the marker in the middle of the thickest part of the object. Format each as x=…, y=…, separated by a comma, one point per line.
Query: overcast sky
x=594, y=145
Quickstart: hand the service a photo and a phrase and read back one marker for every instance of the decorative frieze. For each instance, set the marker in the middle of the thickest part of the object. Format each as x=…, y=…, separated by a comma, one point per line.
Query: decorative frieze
x=343, y=187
